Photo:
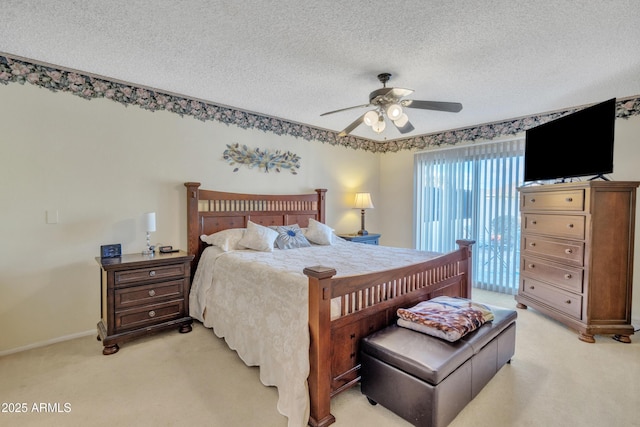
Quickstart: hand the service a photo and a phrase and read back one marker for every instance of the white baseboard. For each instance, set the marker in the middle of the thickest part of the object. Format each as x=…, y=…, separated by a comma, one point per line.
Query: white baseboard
x=48, y=342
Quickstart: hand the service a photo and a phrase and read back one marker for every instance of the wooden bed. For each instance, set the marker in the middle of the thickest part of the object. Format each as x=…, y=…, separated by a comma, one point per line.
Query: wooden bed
x=369, y=301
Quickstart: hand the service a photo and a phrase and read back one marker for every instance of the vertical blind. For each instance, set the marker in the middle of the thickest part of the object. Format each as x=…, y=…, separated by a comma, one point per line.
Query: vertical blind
x=471, y=192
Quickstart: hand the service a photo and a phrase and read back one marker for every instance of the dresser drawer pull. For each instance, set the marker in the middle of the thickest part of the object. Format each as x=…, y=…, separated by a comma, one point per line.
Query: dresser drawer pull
x=568, y=276
x=532, y=244
x=152, y=313
x=533, y=200
x=152, y=273
x=152, y=293
x=534, y=222
x=568, y=301
x=532, y=287
x=568, y=251
x=569, y=199
x=570, y=225
x=532, y=266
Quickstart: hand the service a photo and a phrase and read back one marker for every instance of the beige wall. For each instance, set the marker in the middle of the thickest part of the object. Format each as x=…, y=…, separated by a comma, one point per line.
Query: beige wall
x=396, y=189
x=101, y=166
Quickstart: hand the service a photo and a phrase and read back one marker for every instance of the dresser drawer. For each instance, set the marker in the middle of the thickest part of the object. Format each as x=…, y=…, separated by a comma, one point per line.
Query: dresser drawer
x=570, y=278
x=564, y=251
x=149, y=294
x=152, y=314
x=566, y=302
x=570, y=200
x=125, y=277
x=569, y=226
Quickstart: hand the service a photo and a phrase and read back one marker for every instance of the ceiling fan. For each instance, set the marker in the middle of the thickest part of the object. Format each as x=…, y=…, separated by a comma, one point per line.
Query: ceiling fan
x=388, y=101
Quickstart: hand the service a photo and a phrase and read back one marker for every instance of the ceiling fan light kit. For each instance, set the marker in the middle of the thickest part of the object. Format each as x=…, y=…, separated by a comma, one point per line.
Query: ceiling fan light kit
x=387, y=101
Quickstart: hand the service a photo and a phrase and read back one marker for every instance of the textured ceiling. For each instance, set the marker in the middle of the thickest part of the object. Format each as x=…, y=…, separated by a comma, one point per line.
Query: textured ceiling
x=298, y=59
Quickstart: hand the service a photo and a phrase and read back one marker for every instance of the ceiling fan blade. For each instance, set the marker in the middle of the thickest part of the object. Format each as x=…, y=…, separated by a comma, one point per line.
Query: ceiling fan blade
x=452, y=107
x=345, y=109
x=352, y=126
x=408, y=127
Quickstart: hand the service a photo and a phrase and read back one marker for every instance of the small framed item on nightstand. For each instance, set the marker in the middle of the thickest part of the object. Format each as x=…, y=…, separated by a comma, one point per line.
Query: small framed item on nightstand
x=110, y=251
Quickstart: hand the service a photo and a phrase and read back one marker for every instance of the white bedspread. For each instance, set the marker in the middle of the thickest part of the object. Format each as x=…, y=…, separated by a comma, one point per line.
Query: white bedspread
x=258, y=301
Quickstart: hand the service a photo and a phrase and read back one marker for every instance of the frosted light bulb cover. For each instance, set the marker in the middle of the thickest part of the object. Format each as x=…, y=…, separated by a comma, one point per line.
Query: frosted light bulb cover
x=370, y=118
x=394, y=111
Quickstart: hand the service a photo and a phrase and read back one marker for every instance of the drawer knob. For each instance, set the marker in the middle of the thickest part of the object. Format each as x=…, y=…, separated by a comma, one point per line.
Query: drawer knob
x=532, y=287
x=568, y=276
x=152, y=313
x=534, y=222
x=569, y=199
x=570, y=225
x=152, y=273
x=568, y=251
x=532, y=266
x=568, y=301
x=533, y=200
x=152, y=293
x=532, y=244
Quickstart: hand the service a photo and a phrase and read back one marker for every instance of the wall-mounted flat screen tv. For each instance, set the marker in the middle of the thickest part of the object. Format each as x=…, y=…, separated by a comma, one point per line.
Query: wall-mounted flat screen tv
x=576, y=145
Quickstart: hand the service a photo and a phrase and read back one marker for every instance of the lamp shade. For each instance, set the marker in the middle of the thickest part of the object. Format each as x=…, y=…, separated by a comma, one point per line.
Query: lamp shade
x=150, y=221
x=363, y=201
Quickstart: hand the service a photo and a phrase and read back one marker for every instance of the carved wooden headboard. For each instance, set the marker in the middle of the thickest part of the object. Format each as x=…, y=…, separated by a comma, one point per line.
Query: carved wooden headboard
x=211, y=211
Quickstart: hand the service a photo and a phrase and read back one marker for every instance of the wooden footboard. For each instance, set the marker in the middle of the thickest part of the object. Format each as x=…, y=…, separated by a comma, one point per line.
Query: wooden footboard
x=368, y=303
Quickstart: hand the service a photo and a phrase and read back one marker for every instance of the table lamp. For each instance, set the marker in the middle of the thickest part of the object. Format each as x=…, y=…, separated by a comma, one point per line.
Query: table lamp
x=362, y=202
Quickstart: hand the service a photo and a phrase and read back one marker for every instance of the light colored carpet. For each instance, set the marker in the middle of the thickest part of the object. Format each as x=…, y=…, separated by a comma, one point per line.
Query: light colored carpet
x=174, y=379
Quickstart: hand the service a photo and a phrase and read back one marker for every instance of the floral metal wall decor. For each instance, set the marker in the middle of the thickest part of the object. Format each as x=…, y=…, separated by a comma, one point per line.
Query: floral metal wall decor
x=87, y=86
x=265, y=160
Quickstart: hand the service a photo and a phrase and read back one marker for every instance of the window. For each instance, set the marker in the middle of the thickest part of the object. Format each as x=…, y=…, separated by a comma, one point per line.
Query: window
x=471, y=192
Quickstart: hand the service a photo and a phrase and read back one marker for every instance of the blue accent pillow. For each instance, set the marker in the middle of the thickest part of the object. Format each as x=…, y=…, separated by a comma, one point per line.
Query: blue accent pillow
x=290, y=237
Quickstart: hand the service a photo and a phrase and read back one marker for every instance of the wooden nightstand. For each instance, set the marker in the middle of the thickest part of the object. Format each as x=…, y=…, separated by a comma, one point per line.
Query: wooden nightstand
x=369, y=239
x=141, y=295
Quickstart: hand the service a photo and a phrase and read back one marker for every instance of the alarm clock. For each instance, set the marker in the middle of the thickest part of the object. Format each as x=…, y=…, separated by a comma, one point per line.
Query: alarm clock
x=111, y=251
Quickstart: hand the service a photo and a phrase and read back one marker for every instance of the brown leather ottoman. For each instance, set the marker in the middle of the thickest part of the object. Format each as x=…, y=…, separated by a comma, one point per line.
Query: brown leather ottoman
x=427, y=380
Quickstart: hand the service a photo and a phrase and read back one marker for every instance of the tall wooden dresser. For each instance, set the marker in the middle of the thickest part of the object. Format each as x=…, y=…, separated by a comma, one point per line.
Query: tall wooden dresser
x=576, y=257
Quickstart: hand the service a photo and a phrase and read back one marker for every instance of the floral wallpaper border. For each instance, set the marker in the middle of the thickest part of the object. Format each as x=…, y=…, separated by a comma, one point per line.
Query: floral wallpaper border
x=18, y=70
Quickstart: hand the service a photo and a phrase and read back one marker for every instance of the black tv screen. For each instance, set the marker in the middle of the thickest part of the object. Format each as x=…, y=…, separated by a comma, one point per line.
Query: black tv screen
x=575, y=145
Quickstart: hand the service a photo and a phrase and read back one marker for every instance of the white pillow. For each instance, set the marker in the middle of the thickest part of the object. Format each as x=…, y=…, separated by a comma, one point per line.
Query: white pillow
x=319, y=233
x=258, y=238
x=227, y=240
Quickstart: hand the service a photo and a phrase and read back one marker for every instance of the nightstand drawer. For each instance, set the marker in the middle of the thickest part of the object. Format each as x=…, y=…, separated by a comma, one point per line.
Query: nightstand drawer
x=125, y=277
x=149, y=315
x=149, y=294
